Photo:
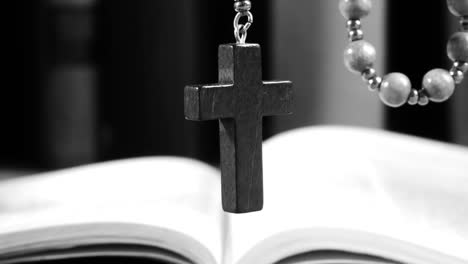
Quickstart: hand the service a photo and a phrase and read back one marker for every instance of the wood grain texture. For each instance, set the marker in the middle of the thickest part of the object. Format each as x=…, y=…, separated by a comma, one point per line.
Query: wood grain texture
x=240, y=101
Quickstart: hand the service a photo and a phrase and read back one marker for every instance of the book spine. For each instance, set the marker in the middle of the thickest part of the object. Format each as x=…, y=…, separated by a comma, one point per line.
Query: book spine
x=70, y=112
x=459, y=109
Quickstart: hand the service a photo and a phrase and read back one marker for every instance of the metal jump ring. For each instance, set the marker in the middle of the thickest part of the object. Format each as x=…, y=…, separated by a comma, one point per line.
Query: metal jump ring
x=240, y=34
x=240, y=31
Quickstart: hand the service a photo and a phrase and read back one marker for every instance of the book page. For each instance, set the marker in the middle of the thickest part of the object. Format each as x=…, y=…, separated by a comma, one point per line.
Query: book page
x=360, y=191
x=170, y=203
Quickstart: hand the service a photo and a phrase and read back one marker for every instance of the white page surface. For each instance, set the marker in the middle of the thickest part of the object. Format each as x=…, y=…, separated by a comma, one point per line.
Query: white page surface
x=358, y=190
x=173, y=203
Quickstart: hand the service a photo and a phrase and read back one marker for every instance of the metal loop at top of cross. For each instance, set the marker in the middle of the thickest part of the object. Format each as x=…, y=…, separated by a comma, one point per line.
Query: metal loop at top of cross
x=243, y=10
x=240, y=30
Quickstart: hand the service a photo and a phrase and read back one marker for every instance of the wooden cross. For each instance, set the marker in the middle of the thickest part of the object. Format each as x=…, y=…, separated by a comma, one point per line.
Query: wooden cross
x=240, y=101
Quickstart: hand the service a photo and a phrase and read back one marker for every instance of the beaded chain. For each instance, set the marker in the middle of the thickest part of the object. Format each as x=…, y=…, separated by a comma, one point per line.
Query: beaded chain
x=242, y=8
x=395, y=89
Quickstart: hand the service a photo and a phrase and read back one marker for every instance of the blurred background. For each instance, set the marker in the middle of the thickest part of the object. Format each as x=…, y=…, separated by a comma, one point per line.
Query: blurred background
x=93, y=80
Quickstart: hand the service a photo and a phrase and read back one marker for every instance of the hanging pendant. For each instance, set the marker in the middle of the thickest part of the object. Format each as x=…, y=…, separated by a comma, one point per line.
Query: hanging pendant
x=240, y=101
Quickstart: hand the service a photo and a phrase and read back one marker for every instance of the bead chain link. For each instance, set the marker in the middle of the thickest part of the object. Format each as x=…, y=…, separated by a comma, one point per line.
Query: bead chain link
x=361, y=61
x=242, y=8
x=464, y=23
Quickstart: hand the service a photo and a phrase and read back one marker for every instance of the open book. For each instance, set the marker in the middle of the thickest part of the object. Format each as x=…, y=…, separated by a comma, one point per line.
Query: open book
x=332, y=195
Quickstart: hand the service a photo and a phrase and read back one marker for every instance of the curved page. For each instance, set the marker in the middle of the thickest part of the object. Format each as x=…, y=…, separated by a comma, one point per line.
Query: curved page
x=167, y=203
x=360, y=191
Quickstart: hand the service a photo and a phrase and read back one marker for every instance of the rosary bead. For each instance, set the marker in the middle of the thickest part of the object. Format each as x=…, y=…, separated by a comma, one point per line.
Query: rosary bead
x=355, y=9
x=414, y=97
x=374, y=83
x=353, y=24
x=395, y=89
x=457, y=75
x=457, y=48
x=438, y=85
x=242, y=6
x=423, y=99
x=462, y=66
x=359, y=56
x=458, y=7
x=355, y=35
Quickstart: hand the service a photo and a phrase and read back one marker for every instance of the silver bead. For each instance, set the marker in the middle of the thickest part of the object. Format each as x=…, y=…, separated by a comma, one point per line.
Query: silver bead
x=414, y=97
x=355, y=35
x=464, y=23
x=355, y=9
x=395, y=89
x=457, y=47
x=242, y=6
x=359, y=56
x=423, y=99
x=374, y=83
x=439, y=85
x=462, y=66
x=353, y=24
x=458, y=7
x=457, y=75
x=369, y=74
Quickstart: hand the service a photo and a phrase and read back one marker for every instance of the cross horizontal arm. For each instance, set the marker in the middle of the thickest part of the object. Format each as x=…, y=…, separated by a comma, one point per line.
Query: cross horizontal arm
x=277, y=98
x=209, y=102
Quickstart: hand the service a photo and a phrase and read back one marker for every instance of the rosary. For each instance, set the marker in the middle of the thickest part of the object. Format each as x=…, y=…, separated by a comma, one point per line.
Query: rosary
x=241, y=99
x=395, y=89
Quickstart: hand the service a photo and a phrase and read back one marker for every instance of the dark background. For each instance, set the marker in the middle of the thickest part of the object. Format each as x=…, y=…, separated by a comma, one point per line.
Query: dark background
x=92, y=81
